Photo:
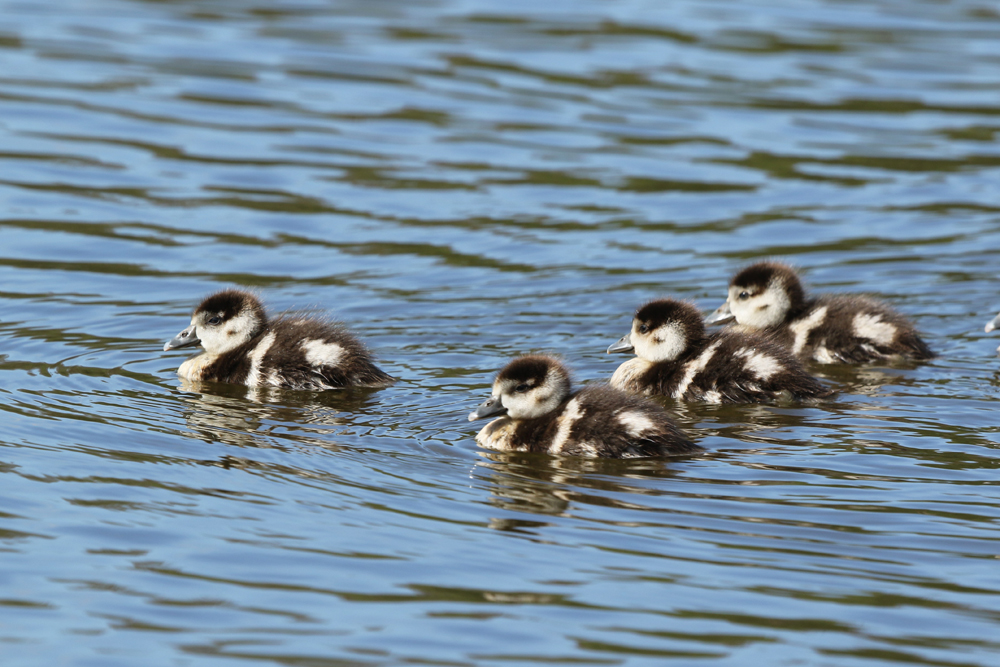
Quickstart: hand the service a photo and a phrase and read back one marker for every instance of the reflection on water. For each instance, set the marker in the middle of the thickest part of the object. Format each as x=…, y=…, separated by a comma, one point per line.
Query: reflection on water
x=270, y=418
x=461, y=183
x=543, y=484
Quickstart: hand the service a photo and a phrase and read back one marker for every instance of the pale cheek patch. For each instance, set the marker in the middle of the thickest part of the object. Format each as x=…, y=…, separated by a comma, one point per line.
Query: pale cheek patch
x=873, y=328
x=524, y=406
x=636, y=423
x=214, y=341
x=665, y=344
x=243, y=326
x=764, y=310
x=319, y=353
x=539, y=400
x=802, y=328
x=236, y=332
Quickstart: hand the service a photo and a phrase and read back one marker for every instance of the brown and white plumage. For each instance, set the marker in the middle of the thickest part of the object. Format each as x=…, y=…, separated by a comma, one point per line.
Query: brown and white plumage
x=828, y=329
x=542, y=414
x=243, y=346
x=677, y=358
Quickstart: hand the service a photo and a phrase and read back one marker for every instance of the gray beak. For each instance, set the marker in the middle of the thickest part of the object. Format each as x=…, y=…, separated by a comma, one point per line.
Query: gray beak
x=993, y=324
x=183, y=339
x=491, y=407
x=720, y=315
x=624, y=344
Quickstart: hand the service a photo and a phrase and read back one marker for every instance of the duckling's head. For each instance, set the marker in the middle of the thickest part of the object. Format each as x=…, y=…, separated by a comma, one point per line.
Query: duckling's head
x=526, y=388
x=222, y=322
x=662, y=330
x=761, y=296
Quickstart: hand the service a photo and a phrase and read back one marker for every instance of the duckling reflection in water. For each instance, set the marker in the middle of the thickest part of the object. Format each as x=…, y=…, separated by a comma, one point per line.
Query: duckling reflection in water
x=541, y=414
x=222, y=414
x=243, y=346
x=677, y=358
x=523, y=483
x=828, y=328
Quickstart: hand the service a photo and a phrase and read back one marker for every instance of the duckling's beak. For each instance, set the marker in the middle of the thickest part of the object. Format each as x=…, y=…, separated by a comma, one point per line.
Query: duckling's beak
x=993, y=324
x=720, y=315
x=624, y=344
x=488, y=408
x=183, y=339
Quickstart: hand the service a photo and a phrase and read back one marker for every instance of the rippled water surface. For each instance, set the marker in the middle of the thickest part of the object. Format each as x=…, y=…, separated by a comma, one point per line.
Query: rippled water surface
x=463, y=181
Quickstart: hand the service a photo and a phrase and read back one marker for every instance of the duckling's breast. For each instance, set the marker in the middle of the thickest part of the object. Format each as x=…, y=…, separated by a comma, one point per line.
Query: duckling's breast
x=627, y=376
x=498, y=435
x=194, y=368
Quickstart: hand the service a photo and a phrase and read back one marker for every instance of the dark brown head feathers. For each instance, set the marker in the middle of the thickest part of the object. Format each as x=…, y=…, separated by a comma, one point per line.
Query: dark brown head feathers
x=758, y=276
x=655, y=314
x=532, y=369
x=230, y=303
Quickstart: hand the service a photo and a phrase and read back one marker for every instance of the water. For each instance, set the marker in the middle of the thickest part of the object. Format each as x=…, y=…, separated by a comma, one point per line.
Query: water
x=462, y=182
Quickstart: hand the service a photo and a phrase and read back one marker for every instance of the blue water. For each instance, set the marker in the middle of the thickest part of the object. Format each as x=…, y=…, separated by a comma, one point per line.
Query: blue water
x=461, y=182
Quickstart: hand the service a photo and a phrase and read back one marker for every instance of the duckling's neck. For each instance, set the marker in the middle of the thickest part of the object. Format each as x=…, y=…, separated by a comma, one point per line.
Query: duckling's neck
x=628, y=374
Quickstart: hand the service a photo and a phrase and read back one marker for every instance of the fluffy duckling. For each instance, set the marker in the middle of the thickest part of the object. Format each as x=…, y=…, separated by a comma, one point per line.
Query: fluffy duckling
x=541, y=414
x=677, y=358
x=828, y=329
x=242, y=346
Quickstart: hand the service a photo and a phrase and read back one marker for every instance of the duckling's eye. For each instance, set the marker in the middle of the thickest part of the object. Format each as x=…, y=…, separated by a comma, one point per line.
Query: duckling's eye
x=521, y=388
x=214, y=320
x=744, y=295
x=643, y=328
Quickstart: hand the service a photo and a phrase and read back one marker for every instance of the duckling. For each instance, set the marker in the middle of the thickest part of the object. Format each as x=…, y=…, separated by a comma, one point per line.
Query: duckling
x=828, y=329
x=677, y=358
x=542, y=414
x=242, y=346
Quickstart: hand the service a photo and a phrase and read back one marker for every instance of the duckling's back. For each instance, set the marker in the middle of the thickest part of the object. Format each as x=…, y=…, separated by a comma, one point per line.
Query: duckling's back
x=852, y=329
x=316, y=354
x=622, y=425
x=298, y=353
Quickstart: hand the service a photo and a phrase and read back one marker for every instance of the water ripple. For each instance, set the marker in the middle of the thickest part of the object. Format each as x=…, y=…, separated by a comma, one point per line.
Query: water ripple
x=460, y=183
